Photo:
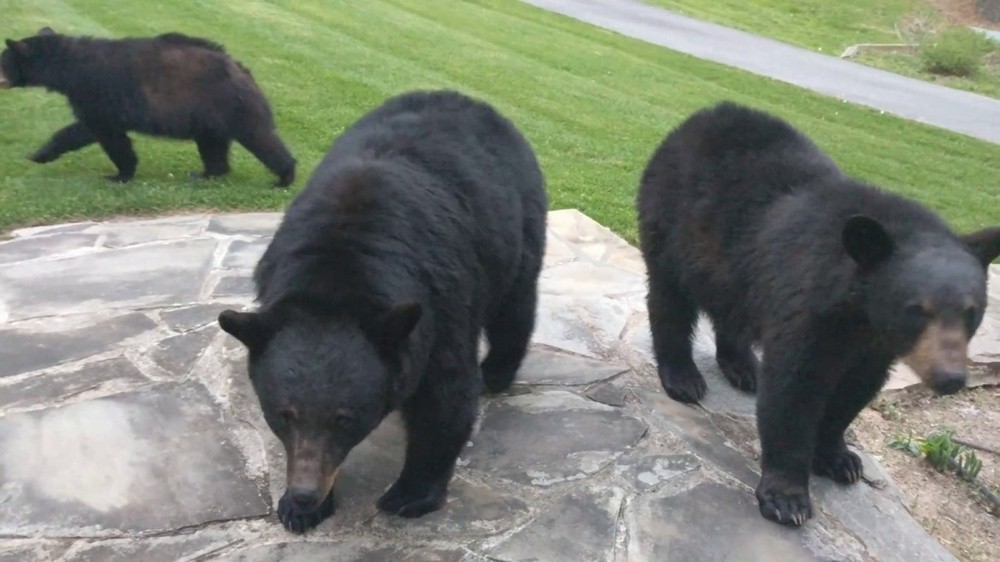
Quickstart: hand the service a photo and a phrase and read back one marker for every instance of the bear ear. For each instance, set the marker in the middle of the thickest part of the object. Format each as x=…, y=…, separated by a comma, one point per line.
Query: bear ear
x=400, y=322
x=46, y=31
x=248, y=327
x=19, y=48
x=984, y=244
x=866, y=241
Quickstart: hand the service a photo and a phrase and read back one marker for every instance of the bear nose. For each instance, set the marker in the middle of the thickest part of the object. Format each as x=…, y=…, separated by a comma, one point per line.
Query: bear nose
x=948, y=382
x=304, y=499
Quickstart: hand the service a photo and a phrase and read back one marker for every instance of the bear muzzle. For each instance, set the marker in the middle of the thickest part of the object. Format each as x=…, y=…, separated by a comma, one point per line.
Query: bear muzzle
x=4, y=82
x=939, y=357
x=311, y=475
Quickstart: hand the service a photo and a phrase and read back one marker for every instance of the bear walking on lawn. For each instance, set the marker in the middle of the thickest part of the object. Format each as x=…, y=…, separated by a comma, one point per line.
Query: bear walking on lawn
x=424, y=225
x=171, y=85
x=743, y=217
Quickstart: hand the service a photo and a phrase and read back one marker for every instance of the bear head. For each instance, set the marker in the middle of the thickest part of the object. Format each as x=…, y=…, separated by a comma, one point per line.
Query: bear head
x=924, y=297
x=324, y=382
x=20, y=62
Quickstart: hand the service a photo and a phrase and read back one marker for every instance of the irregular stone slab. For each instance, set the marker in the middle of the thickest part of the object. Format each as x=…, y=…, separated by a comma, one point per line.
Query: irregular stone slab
x=472, y=509
x=178, y=354
x=695, y=428
x=589, y=279
x=245, y=255
x=610, y=393
x=714, y=522
x=557, y=251
x=191, y=317
x=585, y=326
x=23, y=550
x=160, y=549
x=145, y=276
x=580, y=526
x=49, y=387
x=550, y=437
x=547, y=367
x=879, y=520
x=346, y=551
x=35, y=247
x=128, y=233
x=247, y=224
x=154, y=460
x=29, y=348
x=234, y=286
x=648, y=472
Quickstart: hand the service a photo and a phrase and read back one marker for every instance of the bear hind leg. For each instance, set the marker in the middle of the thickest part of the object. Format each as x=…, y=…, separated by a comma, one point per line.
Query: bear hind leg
x=672, y=315
x=509, y=334
x=438, y=424
x=214, y=152
x=735, y=358
x=265, y=145
x=69, y=138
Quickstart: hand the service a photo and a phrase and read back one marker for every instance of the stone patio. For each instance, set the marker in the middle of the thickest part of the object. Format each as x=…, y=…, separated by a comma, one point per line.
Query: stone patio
x=128, y=430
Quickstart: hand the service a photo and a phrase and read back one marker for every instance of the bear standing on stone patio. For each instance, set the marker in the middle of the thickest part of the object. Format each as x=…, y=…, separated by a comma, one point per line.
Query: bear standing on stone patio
x=743, y=217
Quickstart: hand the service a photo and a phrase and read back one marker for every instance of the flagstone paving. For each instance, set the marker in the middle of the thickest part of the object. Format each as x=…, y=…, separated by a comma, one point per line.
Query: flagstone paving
x=129, y=431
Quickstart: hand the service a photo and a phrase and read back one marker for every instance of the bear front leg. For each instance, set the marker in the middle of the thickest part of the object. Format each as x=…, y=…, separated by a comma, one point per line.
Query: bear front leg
x=794, y=388
x=69, y=138
x=439, y=419
x=859, y=386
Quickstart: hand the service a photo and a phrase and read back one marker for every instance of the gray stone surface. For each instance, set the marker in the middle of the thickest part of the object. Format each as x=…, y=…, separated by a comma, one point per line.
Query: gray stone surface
x=60, y=385
x=580, y=526
x=143, y=461
x=162, y=274
x=38, y=345
x=129, y=429
x=547, y=367
x=956, y=110
x=550, y=438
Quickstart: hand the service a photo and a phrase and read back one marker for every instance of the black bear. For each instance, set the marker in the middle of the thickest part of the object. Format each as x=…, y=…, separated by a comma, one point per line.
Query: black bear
x=743, y=217
x=171, y=85
x=423, y=226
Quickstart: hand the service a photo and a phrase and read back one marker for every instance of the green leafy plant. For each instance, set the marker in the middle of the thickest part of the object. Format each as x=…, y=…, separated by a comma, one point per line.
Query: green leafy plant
x=956, y=51
x=941, y=451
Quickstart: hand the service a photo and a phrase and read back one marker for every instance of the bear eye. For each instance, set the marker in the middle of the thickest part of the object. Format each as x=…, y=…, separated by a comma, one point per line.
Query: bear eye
x=969, y=316
x=917, y=310
x=343, y=420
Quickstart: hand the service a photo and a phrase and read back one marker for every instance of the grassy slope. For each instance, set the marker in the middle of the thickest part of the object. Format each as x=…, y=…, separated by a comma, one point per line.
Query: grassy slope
x=594, y=105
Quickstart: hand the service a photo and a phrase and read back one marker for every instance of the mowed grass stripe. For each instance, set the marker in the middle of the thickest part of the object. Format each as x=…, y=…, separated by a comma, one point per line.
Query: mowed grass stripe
x=594, y=105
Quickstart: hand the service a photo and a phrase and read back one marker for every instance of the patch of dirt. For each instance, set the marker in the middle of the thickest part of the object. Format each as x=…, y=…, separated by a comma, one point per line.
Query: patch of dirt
x=962, y=12
x=950, y=509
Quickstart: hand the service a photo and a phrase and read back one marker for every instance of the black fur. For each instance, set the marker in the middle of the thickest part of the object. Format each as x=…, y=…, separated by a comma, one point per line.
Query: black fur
x=744, y=218
x=171, y=85
x=424, y=225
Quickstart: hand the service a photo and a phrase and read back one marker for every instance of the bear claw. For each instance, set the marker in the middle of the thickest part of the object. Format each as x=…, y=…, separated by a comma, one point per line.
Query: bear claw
x=790, y=507
x=299, y=522
x=843, y=466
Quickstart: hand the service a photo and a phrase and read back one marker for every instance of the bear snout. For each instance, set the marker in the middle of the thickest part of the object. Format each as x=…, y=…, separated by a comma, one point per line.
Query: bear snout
x=947, y=381
x=4, y=83
x=305, y=499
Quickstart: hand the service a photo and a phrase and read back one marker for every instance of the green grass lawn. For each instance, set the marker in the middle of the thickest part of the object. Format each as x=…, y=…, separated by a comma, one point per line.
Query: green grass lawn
x=832, y=26
x=594, y=105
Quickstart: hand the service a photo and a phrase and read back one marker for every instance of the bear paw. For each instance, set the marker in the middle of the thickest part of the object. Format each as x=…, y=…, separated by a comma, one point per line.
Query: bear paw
x=841, y=466
x=788, y=505
x=413, y=501
x=298, y=521
x=740, y=370
x=42, y=157
x=683, y=385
